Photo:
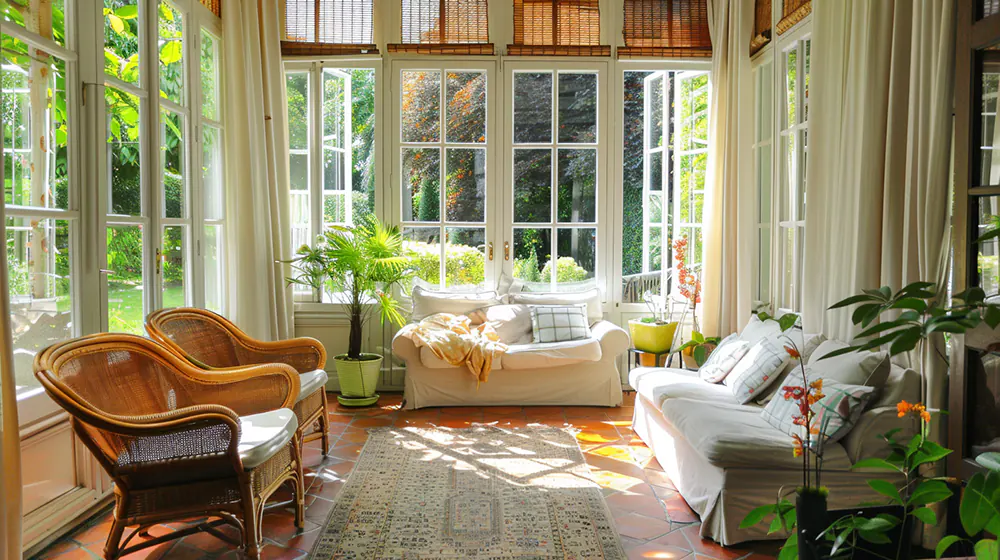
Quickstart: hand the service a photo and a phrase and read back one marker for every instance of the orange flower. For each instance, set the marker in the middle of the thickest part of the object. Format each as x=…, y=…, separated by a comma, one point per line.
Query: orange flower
x=799, y=447
x=792, y=352
x=917, y=410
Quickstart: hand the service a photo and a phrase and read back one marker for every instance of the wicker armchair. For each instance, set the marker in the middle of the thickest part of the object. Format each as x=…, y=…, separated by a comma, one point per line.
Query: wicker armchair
x=178, y=442
x=210, y=341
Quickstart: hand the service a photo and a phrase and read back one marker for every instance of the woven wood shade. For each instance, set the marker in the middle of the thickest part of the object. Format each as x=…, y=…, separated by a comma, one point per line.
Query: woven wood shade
x=463, y=29
x=761, y=25
x=214, y=5
x=792, y=12
x=666, y=28
x=328, y=27
x=557, y=28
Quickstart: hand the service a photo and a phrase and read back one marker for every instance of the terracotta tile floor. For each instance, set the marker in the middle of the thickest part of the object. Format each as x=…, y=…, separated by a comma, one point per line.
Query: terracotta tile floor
x=653, y=519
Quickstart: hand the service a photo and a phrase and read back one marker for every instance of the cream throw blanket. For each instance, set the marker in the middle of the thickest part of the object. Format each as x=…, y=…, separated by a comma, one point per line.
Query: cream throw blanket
x=455, y=340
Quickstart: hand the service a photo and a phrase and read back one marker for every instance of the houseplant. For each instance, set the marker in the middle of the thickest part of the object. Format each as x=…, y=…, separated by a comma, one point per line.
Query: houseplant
x=698, y=349
x=654, y=334
x=359, y=265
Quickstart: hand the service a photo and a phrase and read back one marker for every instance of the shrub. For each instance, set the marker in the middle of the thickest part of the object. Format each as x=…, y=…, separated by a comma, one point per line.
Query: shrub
x=464, y=265
x=567, y=271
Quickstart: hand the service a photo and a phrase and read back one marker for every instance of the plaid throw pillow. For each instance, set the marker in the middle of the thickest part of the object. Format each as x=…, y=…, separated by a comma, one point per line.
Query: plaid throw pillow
x=836, y=413
x=756, y=370
x=722, y=360
x=559, y=323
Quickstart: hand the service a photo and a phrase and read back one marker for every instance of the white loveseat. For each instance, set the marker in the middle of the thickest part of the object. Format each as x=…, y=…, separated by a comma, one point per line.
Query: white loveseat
x=580, y=372
x=725, y=459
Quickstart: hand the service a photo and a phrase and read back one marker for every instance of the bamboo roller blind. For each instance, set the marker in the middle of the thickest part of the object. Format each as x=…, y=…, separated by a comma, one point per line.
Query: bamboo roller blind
x=557, y=27
x=792, y=12
x=328, y=27
x=214, y=5
x=761, y=25
x=666, y=28
x=444, y=27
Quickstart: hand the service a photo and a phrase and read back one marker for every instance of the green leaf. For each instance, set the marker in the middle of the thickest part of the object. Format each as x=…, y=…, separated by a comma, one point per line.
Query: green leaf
x=851, y=301
x=907, y=341
x=944, y=544
x=880, y=327
x=991, y=234
x=926, y=515
x=991, y=316
x=757, y=515
x=698, y=337
x=790, y=550
x=987, y=549
x=877, y=524
x=170, y=53
x=929, y=492
x=842, y=351
x=875, y=463
x=913, y=303
x=787, y=321
x=930, y=452
x=990, y=460
x=116, y=23
x=887, y=489
x=874, y=537
x=700, y=355
x=976, y=508
x=128, y=12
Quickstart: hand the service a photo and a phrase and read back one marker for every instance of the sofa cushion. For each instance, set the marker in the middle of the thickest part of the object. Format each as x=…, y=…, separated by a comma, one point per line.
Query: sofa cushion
x=723, y=359
x=902, y=384
x=427, y=303
x=657, y=385
x=855, y=368
x=835, y=414
x=559, y=323
x=512, y=322
x=551, y=354
x=591, y=297
x=736, y=436
x=757, y=330
x=807, y=345
x=757, y=370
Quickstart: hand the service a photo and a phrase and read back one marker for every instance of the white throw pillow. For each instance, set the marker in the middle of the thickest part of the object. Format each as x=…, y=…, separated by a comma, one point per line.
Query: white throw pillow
x=855, y=368
x=807, y=345
x=559, y=323
x=756, y=370
x=512, y=322
x=836, y=413
x=427, y=303
x=590, y=297
x=757, y=330
x=722, y=360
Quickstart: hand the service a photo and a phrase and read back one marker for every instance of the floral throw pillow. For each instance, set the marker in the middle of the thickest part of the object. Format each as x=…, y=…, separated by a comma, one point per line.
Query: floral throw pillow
x=756, y=370
x=722, y=360
x=835, y=413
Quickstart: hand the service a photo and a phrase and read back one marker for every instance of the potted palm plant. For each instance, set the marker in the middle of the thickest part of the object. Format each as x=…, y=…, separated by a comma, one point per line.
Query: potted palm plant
x=359, y=266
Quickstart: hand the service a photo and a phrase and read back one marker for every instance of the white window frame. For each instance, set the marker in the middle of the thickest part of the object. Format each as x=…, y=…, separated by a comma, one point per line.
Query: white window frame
x=763, y=151
x=604, y=240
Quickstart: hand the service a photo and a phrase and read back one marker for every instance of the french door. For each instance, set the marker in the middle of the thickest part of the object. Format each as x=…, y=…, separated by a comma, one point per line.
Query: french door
x=555, y=200
x=443, y=158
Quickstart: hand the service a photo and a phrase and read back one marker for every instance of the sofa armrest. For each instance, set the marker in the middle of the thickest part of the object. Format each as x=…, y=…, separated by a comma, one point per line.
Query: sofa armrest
x=405, y=349
x=614, y=340
x=865, y=439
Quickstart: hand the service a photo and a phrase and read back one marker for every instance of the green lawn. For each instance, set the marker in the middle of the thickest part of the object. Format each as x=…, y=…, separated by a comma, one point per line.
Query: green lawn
x=125, y=305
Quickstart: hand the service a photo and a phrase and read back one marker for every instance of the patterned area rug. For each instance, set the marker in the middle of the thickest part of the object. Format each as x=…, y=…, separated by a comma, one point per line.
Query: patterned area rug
x=480, y=493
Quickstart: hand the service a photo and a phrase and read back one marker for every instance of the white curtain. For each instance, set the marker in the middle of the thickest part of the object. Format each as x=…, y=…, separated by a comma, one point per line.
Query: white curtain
x=729, y=219
x=256, y=169
x=879, y=153
x=10, y=438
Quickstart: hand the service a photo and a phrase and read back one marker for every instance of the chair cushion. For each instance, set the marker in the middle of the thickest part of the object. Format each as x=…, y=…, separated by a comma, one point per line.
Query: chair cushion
x=552, y=354
x=310, y=381
x=592, y=298
x=262, y=435
x=736, y=436
x=657, y=385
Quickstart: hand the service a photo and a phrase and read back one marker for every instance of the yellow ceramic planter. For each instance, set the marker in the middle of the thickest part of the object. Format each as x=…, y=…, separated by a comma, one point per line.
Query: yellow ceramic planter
x=652, y=337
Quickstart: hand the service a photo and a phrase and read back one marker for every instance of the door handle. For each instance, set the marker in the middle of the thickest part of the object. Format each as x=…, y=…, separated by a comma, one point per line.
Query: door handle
x=506, y=250
x=159, y=257
x=491, y=251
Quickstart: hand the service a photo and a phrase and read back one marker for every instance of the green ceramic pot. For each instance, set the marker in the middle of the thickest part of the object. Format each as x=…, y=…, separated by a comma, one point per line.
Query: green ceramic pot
x=358, y=379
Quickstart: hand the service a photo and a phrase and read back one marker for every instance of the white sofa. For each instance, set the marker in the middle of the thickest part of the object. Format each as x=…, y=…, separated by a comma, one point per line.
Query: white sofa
x=580, y=372
x=725, y=460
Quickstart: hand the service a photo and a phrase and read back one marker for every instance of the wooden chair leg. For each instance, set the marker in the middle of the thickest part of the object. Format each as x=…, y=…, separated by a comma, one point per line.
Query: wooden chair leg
x=324, y=424
x=251, y=526
x=112, y=544
x=300, y=485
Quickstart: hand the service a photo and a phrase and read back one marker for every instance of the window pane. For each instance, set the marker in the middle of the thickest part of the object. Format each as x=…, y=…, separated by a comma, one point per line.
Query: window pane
x=655, y=251
x=421, y=184
x=212, y=173
x=635, y=246
x=465, y=179
x=790, y=178
x=174, y=266
x=990, y=165
x=764, y=266
x=172, y=155
x=35, y=128
x=577, y=252
x=987, y=252
x=170, y=45
x=764, y=184
x=654, y=125
x=124, y=154
x=121, y=39
x=41, y=310
x=692, y=185
x=465, y=263
x=532, y=107
x=466, y=93
x=333, y=169
x=787, y=268
x=297, y=92
x=805, y=85
x=692, y=111
x=334, y=209
x=214, y=264
x=334, y=90
x=363, y=142
x=532, y=186
x=421, y=106
x=791, y=68
x=125, y=306
x=577, y=198
x=423, y=247
x=532, y=251
x=577, y=108
x=209, y=76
